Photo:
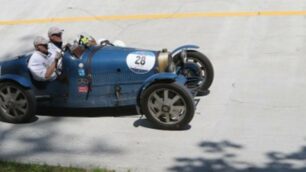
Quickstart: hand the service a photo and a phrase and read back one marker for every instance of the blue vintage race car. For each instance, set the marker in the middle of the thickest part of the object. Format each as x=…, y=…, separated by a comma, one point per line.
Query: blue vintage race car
x=161, y=84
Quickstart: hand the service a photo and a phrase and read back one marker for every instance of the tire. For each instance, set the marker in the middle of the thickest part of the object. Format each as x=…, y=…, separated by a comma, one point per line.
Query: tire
x=17, y=104
x=164, y=114
x=206, y=67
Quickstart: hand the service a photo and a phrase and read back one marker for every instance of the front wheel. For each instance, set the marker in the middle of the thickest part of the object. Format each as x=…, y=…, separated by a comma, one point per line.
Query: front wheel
x=17, y=104
x=168, y=106
x=198, y=65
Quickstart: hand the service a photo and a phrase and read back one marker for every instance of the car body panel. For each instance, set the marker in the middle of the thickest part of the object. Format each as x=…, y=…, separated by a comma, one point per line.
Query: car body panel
x=16, y=78
x=158, y=78
x=14, y=70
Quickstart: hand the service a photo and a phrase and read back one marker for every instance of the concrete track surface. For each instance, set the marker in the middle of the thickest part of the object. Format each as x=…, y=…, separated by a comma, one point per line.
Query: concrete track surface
x=253, y=119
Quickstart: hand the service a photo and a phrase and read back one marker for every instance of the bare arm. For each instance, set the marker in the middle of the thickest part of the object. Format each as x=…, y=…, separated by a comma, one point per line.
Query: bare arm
x=51, y=69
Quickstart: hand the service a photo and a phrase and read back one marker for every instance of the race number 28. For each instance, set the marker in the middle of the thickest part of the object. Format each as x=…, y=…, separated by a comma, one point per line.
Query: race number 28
x=140, y=60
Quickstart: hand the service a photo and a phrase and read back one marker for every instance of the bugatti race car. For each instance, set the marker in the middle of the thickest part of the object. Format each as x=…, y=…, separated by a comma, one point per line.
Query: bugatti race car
x=161, y=84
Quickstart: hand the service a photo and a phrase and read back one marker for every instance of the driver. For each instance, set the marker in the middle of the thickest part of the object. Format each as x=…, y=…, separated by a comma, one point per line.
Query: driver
x=41, y=65
x=55, y=44
x=56, y=41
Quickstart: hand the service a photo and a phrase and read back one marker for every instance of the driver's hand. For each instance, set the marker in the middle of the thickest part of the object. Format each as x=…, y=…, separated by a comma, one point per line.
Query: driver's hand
x=58, y=56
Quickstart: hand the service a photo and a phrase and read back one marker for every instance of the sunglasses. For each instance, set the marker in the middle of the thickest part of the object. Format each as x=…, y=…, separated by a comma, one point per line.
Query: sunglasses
x=57, y=34
x=44, y=45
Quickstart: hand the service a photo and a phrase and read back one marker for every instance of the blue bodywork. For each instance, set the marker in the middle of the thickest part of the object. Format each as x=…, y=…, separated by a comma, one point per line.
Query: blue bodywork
x=113, y=83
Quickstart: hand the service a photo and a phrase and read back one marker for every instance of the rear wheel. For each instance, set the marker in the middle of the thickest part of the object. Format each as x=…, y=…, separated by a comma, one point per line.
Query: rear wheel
x=168, y=106
x=17, y=104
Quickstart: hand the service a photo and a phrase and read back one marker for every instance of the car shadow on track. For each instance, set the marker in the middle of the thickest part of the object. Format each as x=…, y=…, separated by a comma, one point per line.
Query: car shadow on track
x=87, y=112
x=128, y=111
x=83, y=112
x=143, y=122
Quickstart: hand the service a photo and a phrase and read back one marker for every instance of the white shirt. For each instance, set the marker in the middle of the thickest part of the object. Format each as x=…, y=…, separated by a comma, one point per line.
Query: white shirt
x=53, y=50
x=38, y=65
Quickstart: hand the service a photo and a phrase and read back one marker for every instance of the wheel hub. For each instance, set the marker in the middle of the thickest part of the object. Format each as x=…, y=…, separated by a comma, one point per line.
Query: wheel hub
x=166, y=108
x=11, y=104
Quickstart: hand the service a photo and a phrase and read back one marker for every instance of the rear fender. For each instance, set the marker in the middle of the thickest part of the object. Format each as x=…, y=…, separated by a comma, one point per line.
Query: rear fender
x=24, y=82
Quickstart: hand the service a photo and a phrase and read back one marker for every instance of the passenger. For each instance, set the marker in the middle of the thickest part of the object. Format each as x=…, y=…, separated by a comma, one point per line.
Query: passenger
x=41, y=65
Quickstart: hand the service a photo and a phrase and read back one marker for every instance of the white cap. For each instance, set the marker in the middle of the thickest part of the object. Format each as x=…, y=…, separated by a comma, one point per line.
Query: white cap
x=54, y=30
x=40, y=40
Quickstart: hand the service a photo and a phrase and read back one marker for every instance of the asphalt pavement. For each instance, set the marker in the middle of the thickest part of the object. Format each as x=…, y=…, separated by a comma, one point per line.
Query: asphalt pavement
x=253, y=119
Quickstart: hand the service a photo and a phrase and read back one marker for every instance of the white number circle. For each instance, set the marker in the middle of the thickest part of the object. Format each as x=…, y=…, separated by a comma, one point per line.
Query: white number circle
x=141, y=62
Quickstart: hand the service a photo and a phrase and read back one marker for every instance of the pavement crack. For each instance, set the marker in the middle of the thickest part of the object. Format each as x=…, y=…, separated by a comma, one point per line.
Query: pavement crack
x=272, y=106
x=85, y=11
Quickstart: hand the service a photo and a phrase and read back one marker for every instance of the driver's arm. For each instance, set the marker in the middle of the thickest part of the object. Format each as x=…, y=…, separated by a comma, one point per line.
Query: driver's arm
x=51, y=69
